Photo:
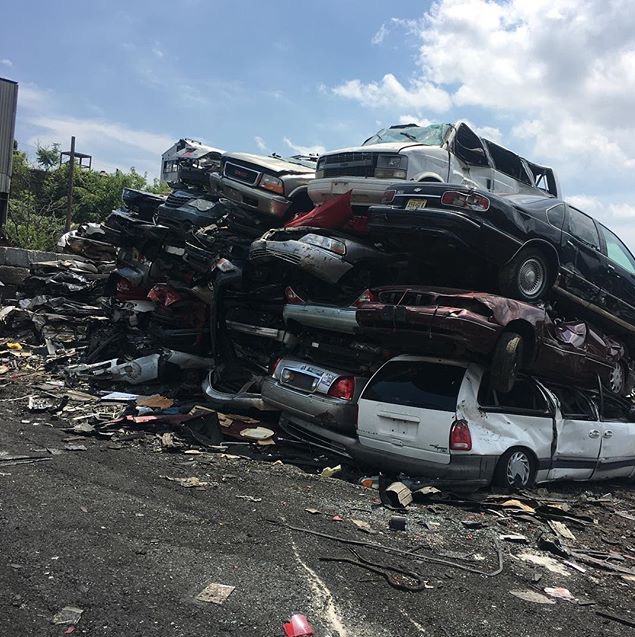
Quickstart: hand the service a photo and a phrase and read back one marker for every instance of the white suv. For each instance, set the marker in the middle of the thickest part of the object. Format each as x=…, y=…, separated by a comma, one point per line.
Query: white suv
x=438, y=152
x=440, y=419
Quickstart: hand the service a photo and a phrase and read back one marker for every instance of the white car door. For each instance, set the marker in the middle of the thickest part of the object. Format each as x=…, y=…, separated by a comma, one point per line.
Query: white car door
x=617, y=454
x=578, y=436
x=408, y=408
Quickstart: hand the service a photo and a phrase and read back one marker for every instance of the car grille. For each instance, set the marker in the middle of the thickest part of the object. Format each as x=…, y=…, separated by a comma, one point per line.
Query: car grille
x=241, y=173
x=348, y=165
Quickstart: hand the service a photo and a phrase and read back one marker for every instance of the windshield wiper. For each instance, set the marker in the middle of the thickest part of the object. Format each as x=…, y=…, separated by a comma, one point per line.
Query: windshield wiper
x=409, y=136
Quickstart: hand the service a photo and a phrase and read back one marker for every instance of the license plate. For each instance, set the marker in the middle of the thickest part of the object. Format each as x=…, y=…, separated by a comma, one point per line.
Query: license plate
x=416, y=204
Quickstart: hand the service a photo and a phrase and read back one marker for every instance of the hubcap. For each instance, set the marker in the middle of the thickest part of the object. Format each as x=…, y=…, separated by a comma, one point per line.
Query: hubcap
x=518, y=469
x=531, y=277
x=617, y=379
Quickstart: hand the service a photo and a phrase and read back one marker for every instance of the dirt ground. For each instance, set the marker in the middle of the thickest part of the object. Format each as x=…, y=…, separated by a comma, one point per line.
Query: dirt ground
x=104, y=530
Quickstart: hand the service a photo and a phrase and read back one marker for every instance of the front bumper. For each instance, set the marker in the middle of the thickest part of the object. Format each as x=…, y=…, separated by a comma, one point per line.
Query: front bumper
x=330, y=413
x=463, y=472
x=323, y=264
x=233, y=401
x=366, y=191
x=254, y=198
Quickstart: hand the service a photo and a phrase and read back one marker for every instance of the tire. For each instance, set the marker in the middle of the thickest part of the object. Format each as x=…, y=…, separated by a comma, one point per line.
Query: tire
x=506, y=361
x=527, y=277
x=515, y=469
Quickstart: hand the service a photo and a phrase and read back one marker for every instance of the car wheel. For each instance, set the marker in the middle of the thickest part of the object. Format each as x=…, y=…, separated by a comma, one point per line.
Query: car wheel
x=527, y=276
x=506, y=361
x=617, y=379
x=516, y=469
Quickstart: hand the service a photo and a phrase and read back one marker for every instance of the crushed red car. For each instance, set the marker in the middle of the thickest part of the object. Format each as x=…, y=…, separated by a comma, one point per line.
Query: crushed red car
x=513, y=335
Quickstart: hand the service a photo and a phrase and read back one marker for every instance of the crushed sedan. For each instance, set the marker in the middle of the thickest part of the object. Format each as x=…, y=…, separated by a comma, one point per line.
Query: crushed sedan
x=513, y=335
x=523, y=245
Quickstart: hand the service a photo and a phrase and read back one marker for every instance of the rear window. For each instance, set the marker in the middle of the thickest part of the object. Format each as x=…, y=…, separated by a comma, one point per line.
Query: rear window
x=416, y=384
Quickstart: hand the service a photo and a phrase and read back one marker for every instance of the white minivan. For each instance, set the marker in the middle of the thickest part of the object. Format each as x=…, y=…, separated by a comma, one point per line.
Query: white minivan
x=440, y=419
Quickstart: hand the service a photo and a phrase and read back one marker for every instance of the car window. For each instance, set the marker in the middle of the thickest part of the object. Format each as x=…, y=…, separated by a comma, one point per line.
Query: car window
x=524, y=396
x=615, y=410
x=583, y=227
x=617, y=252
x=555, y=216
x=573, y=404
x=416, y=384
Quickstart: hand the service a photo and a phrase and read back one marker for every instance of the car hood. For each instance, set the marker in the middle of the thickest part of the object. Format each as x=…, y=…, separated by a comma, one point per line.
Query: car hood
x=388, y=147
x=272, y=164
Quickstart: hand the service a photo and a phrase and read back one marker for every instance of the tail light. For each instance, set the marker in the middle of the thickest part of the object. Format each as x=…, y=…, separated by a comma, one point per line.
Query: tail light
x=343, y=387
x=367, y=296
x=291, y=297
x=274, y=365
x=388, y=196
x=460, y=436
x=470, y=200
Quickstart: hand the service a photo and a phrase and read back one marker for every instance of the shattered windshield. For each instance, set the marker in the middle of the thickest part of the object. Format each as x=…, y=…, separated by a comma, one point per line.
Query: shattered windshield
x=432, y=135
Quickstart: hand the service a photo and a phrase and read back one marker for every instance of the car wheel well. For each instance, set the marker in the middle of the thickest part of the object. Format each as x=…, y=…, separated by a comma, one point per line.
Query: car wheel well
x=430, y=179
x=500, y=469
x=548, y=251
x=526, y=330
x=300, y=202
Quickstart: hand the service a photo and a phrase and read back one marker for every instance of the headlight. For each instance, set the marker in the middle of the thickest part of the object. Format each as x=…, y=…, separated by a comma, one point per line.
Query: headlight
x=332, y=245
x=272, y=183
x=202, y=205
x=391, y=167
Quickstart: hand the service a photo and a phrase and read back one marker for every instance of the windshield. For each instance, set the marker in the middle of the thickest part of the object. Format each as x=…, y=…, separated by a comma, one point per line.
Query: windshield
x=432, y=135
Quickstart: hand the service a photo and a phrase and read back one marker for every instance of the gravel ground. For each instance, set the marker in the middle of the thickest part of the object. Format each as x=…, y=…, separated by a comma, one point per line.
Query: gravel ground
x=102, y=529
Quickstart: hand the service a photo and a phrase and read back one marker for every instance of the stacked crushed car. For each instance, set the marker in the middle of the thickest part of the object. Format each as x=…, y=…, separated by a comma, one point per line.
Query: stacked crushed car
x=446, y=331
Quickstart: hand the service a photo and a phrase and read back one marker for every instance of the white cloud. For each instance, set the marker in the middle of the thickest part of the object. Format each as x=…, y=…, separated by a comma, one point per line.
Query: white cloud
x=6, y=62
x=415, y=119
x=157, y=52
x=260, y=142
x=304, y=150
x=391, y=93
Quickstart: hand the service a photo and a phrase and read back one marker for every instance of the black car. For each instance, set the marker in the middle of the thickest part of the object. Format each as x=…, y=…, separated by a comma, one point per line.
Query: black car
x=522, y=245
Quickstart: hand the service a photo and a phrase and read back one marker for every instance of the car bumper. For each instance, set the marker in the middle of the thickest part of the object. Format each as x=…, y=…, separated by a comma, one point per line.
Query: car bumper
x=334, y=319
x=366, y=191
x=323, y=264
x=463, y=472
x=330, y=413
x=233, y=401
x=254, y=198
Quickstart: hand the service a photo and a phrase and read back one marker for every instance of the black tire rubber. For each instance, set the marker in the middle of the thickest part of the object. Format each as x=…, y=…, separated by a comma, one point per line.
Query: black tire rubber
x=509, y=274
x=501, y=478
x=506, y=361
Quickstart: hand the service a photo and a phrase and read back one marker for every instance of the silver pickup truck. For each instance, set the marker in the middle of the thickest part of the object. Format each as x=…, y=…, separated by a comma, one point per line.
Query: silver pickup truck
x=451, y=153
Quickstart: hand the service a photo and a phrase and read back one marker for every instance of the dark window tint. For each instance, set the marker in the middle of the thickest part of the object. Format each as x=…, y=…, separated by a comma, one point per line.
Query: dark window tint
x=416, y=384
x=556, y=216
x=524, y=396
x=615, y=410
x=583, y=227
x=573, y=404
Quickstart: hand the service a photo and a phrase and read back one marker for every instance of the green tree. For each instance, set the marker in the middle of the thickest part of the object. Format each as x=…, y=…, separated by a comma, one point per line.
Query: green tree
x=48, y=156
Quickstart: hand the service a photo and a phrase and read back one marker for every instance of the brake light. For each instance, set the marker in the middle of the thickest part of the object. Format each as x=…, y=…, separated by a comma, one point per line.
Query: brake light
x=460, y=436
x=343, y=387
x=367, y=296
x=291, y=297
x=388, y=196
x=274, y=365
x=470, y=200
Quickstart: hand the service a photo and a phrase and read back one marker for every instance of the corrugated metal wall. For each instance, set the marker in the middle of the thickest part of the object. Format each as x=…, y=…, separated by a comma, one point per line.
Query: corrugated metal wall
x=8, y=106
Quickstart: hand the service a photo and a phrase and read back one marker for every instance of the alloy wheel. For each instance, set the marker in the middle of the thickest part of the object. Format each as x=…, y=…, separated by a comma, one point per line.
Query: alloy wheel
x=531, y=277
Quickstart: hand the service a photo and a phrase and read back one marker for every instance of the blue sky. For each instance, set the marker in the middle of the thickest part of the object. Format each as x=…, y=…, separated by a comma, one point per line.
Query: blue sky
x=551, y=79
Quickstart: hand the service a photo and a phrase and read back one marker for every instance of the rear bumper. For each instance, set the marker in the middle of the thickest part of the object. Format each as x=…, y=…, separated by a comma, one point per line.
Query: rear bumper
x=366, y=191
x=331, y=413
x=463, y=471
x=236, y=401
x=254, y=198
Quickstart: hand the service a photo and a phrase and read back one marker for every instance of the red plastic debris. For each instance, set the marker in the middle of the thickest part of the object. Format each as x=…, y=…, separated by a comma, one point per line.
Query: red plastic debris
x=298, y=626
x=70, y=630
x=331, y=215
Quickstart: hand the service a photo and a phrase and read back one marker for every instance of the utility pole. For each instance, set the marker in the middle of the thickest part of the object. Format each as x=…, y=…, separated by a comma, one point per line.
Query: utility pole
x=71, y=178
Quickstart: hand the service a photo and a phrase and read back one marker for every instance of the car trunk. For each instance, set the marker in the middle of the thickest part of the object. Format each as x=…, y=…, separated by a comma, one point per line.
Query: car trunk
x=408, y=408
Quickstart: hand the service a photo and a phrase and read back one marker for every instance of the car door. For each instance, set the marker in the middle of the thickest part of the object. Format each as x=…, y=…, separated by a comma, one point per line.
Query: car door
x=617, y=454
x=619, y=276
x=578, y=436
x=582, y=262
x=408, y=408
x=468, y=147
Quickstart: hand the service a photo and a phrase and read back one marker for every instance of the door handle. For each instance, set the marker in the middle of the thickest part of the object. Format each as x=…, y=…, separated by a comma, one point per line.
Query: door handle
x=611, y=267
x=607, y=434
x=594, y=433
